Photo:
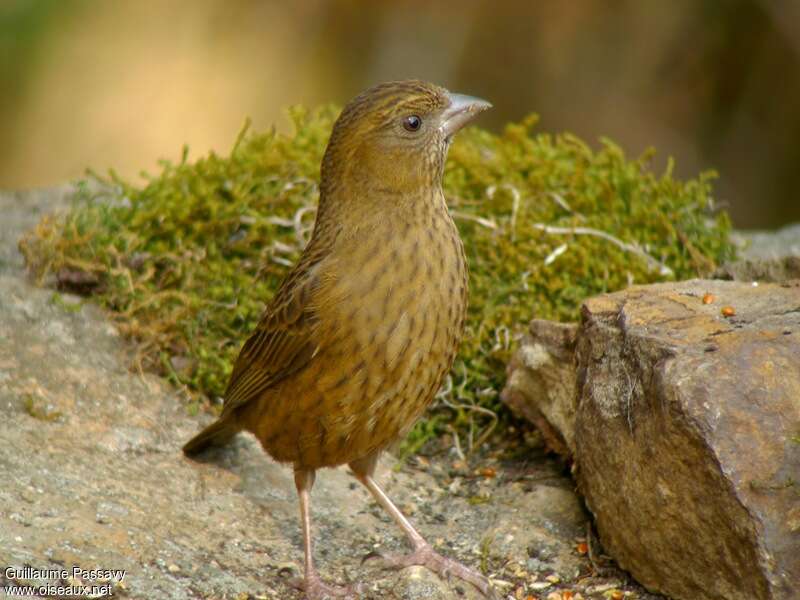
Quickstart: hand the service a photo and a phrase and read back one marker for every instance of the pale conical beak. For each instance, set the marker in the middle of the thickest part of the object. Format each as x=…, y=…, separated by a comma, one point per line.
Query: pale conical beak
x=461, y=111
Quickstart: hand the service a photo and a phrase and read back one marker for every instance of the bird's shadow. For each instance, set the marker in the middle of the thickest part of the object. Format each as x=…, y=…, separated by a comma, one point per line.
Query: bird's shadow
x=266, y=483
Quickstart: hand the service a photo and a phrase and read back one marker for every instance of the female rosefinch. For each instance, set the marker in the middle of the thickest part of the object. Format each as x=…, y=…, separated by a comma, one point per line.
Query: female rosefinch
x=356, y=342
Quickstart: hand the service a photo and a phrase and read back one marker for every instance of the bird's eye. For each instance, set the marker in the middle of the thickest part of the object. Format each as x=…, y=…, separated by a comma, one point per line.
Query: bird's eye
x=412, y=123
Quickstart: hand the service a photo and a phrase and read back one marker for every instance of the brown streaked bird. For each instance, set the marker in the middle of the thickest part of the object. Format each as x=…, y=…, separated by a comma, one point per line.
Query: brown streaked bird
x=359, y=336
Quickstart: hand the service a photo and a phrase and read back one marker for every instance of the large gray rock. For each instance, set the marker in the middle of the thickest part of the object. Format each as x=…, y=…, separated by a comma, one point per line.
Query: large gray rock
x=769, y=245
x=688, y=436
x=765, y=256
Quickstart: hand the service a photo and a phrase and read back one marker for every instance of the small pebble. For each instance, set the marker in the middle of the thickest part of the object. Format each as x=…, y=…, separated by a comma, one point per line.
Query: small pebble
x=728, y=311
x=537, y=586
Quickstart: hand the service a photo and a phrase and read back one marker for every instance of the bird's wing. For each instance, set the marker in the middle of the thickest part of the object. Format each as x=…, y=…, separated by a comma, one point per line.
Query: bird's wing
x=284, y=341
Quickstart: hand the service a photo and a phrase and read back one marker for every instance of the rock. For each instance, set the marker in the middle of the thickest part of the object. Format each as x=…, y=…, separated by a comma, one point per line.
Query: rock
x=772, y=256
x=541, y=382
x=779, y=269
x=417, y=583
x=688, y=436
x=769, y=245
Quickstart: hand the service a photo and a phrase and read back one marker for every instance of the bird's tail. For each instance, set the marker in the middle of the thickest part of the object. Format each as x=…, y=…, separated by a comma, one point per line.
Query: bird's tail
x=219, y=433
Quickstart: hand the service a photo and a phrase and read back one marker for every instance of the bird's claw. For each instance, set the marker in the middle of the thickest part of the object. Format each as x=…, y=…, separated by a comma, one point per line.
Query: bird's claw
x=446, y=568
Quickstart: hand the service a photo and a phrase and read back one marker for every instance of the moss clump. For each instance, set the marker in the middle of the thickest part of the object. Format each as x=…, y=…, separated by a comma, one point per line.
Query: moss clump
x=186, y=262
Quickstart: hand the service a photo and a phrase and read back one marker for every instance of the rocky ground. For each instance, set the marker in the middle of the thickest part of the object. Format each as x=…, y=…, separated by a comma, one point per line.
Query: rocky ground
x=93, y=477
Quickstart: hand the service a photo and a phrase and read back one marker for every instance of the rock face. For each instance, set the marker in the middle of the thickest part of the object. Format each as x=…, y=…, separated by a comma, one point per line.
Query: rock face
x=687, y=436
x=769, y=245
x=765, y=256
x=541, y=382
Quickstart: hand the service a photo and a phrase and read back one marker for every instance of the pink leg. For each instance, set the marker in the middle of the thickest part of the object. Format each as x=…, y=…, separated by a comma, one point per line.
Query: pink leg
x=314, y=587
x=422, y=554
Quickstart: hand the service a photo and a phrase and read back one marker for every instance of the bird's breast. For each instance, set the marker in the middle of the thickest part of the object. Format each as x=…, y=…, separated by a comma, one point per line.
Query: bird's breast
x=397, y=325
x=401, y=288
x=390, y=320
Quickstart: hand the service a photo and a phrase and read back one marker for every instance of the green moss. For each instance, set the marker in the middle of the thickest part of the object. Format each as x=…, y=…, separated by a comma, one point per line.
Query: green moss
x=186, y=262
x=38, y=409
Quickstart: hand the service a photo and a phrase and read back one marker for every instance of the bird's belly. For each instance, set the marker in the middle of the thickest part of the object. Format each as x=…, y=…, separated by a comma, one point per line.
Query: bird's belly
x=388, y=344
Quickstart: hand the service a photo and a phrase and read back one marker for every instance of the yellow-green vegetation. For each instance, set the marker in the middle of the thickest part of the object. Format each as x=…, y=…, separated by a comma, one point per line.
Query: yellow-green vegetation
x=39, y=409
x=185, y=263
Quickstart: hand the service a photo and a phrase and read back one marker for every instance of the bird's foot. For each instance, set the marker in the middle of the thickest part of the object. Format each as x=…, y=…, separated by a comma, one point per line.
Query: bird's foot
x=446, y=568
x=316, y=589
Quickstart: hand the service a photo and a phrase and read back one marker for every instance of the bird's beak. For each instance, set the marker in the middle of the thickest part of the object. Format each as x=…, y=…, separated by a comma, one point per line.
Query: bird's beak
x=461, y=111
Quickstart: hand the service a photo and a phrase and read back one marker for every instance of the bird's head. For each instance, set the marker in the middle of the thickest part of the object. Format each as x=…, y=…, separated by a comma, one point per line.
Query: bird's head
x=393, y=138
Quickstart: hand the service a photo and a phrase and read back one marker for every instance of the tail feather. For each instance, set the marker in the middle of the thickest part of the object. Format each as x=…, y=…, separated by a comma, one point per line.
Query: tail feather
x=218, y=433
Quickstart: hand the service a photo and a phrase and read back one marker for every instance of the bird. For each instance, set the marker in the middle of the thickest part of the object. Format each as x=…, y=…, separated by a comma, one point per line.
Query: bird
x=363, y=330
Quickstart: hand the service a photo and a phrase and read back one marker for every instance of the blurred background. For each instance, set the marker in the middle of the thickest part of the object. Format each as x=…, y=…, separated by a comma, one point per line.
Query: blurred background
x=714, y=83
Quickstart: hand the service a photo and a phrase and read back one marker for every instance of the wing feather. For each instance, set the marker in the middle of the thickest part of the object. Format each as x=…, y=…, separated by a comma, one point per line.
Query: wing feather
x=285, y=339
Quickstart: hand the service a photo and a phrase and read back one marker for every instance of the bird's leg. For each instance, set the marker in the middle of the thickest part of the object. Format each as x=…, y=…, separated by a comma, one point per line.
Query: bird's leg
x=314, y=587
x=423, y=553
